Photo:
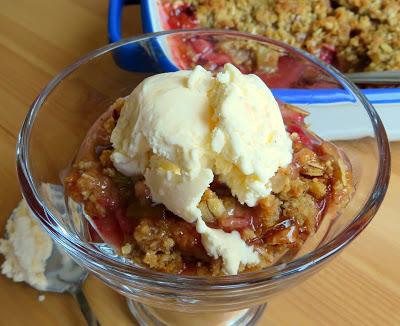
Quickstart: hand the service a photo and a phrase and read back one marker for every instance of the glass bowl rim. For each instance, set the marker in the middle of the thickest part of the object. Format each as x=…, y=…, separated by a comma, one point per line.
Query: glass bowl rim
x=129, y=272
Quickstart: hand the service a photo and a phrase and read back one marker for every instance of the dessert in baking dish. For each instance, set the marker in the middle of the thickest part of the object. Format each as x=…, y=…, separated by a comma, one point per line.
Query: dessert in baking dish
x=352, y=35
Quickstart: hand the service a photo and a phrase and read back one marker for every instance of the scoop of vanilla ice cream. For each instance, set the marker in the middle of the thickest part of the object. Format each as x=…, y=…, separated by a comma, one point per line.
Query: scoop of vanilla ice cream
x=249, y=140
x=180, y=129
x=164, y=116
x=176, y=189
x=26, y=248
x=163, y=133
x=233, y=250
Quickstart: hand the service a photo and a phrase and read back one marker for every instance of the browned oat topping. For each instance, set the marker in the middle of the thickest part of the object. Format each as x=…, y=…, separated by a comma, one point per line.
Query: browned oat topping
x=318, y=180
x=354, y=35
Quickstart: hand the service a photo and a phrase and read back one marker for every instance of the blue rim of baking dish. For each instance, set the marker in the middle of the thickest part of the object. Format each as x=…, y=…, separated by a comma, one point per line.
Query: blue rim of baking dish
x=144, y=63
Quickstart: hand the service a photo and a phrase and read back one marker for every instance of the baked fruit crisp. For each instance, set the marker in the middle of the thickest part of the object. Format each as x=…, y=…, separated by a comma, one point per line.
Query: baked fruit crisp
x=316, y=182
x=352, y=35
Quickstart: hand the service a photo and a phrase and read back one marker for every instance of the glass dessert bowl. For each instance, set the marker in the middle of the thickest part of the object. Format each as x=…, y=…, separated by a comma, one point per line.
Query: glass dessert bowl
x=67, y=108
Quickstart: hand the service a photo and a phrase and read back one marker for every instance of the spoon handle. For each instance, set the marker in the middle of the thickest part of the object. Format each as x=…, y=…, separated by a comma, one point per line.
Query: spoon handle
x=376, y=77
x=85, y=307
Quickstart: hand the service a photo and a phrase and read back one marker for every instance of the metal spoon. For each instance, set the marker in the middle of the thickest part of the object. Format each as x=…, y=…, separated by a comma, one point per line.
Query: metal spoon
x=64, y=275
x=376, y=77
x=61, y=272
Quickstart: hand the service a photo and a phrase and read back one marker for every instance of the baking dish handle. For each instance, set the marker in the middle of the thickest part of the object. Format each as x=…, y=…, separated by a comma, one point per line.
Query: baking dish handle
x=114, y=18
x=132, y=57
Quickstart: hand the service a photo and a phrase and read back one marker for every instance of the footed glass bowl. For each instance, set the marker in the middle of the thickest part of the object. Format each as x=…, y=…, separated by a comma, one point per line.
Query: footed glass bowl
x=63, y=112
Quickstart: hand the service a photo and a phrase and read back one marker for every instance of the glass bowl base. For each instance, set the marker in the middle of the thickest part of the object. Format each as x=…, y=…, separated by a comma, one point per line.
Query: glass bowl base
x=150, y=316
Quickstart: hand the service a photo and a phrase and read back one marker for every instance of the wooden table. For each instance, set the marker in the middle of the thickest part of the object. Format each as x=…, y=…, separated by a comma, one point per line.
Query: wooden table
x=37, y=39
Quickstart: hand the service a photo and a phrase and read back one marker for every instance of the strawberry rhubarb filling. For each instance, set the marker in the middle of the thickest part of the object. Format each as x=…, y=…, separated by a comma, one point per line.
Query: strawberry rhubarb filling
x=206, y=175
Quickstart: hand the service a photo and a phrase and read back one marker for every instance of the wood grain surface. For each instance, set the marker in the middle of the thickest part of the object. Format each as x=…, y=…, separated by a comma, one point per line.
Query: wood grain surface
x=39, y=38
